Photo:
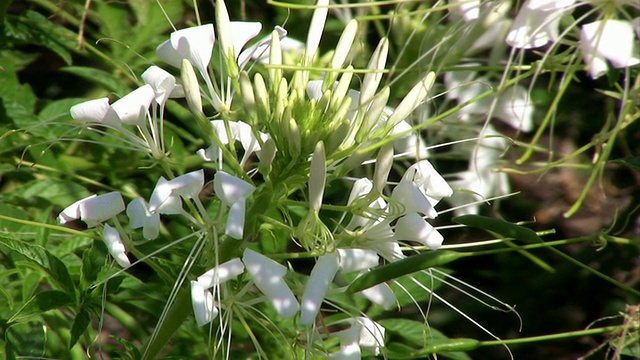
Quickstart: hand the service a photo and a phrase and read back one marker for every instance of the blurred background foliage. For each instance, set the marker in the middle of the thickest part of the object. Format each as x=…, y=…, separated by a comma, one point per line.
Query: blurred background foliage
x=54, y=54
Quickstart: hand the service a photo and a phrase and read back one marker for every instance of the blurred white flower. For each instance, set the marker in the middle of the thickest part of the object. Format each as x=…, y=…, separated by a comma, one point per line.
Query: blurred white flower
x=468, y=9
x=480, y=181
x=513, y=105
x=93, y=209
x=364, y=333
x=412, y=227
x=321, y=277
x=608, y=40
x=111, y=238
x=141, y=217
x=203, y=304
x=537, y=23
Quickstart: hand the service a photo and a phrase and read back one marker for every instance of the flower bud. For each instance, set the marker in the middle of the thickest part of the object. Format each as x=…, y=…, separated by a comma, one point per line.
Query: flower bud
x=191, y=88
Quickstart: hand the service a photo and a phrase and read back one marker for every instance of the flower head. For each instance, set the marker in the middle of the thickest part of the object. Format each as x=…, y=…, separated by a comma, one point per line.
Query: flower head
x=94, y=209
x=608, y=40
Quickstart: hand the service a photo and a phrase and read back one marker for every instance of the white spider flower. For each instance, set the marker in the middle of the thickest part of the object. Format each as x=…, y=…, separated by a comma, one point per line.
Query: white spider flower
x=268, y=276
x=611, y=40
x=364, y=333
x=111, y=238
x=233, y=192
x=141, y=217
x=513, y=105
x=468, y=9
x=203, y=304
x=537, y=23
x=166, y=196
x=239, y=131
x=96, y=111
x=163, y=84
x=362, y=260
x=413, y=227
x=480, y=180
x=429, y=182
x=94, y=209
x=321, y=276
x=131, y=109
x=202, y=299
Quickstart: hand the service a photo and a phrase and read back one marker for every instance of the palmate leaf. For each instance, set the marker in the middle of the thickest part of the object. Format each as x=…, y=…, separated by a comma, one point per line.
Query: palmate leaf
x=33, y=28
x=43, y=258
x=41, y=302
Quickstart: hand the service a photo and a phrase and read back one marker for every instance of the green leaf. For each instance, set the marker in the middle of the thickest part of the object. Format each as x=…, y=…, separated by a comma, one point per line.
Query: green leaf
x=100, y=78
x=80, y=324
x=413, y=332
x=30, y=284
x=44, y=259
x=92, y=262
x=26, y=340
x=41, y=302
x=403, y=267
x=54, y=191
x=501, y=227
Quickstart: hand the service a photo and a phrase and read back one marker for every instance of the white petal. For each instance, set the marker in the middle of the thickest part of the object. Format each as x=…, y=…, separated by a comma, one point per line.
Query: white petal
x=194, y=44
x=221, y=273
x=203, y=304
x=137, y=211
x=188, y=185
x=536, y=23
x=96, y=209
x=413, y=227
x=429, y=181
x=409, y=195
x=350, y=351
x=72, y=212
x=229, y=189
x=132, y=108
x=380, y=295
x=242, y=32
x=514, y=107
x=268, y=277
x=371, y=334
x=161, y=81
x=469, y=9
x=612, y=40
x=321, y=276
x=235, y=221
x=357, y=259
x=163, y=200
x=111, y=238
x=95, y=111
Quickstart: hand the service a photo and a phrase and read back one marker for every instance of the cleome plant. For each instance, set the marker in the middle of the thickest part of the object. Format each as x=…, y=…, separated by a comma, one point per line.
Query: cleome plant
x=258, y=196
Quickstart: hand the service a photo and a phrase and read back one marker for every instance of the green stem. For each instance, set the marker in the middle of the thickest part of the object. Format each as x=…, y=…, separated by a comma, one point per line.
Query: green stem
x=175, y=317
x=558, y=336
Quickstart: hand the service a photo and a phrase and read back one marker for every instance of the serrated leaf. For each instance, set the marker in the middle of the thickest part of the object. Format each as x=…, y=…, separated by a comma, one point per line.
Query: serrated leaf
x=100, y=78
x=92, y=262
x=41, y=302
x=80, y=324
x=50, y=263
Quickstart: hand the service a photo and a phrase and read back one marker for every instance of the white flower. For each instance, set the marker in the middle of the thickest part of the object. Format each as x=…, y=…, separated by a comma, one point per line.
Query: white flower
x=611, y=40
x=165, y=198
x=111, y=238
x=321, y=276
x=513, y=105
x=203, y=304
x=194, y=44
x=233, y=192
x=93, y=209
x=480, y=179
x=537, y=23
x=221, y=274
x=163, y=84
x=96, y=111
x=268, y=276
x=132, y=108
x=413, y=227
x=239, y=131
x=365, y=333
x=429, y=181
x=141, y=217
x=469, y=9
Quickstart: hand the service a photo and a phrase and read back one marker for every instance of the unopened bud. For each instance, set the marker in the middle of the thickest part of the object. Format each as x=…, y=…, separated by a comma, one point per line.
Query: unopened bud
x=191, y=87
x=317, y=177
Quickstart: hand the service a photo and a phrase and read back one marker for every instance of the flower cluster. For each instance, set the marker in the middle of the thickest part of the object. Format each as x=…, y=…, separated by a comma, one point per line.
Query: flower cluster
x=276, y=142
